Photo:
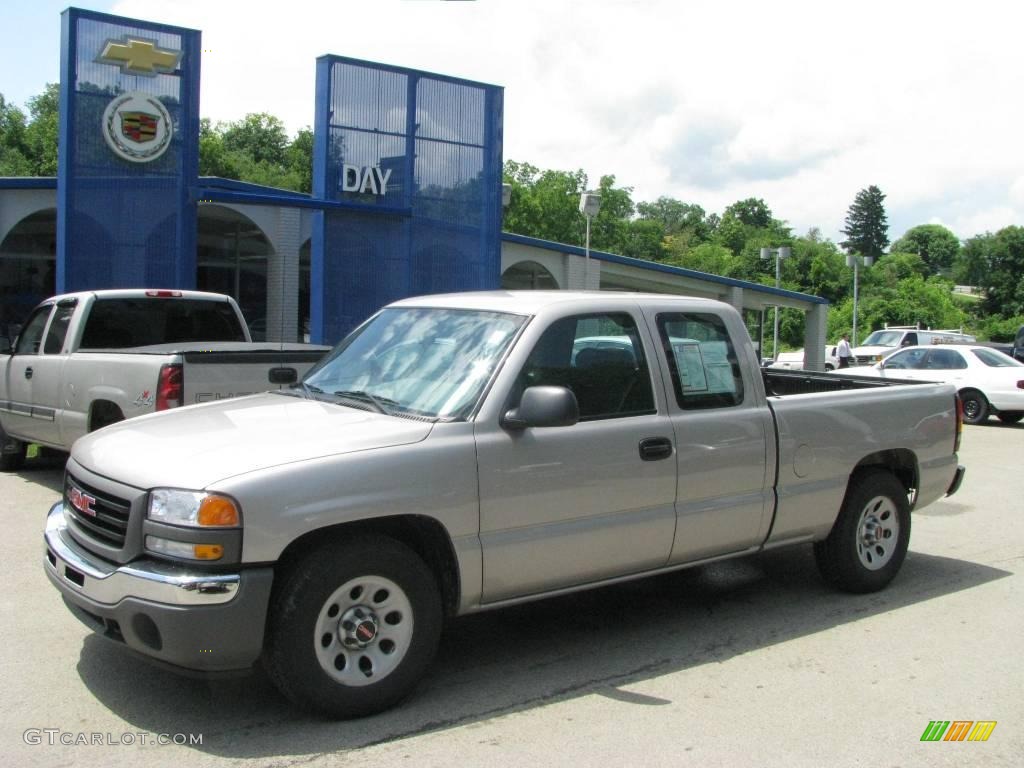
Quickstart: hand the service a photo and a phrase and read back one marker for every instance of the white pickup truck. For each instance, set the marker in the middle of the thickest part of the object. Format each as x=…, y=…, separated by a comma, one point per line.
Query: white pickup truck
x=466, y=452
x=86, y=360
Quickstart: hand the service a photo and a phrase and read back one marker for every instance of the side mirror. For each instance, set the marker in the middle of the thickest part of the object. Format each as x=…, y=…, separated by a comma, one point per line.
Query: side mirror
x=543, y=407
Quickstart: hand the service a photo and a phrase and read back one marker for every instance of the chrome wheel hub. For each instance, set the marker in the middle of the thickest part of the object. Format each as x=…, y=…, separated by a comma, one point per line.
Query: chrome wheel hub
x=358, y=627
x=878, y=532
x=363, y=630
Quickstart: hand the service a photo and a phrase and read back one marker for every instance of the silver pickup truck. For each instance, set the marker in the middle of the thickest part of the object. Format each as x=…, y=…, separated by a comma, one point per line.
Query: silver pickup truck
x=86, y=360
x=466, y=452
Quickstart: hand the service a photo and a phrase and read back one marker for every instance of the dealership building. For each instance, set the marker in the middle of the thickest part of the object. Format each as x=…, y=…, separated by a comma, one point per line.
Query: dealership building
x=407, y=199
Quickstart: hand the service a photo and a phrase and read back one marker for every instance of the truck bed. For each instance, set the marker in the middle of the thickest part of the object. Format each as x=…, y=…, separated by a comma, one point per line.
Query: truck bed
x=781, y=382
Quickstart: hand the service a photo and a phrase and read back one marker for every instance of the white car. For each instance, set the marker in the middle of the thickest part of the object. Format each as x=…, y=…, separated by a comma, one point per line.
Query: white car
x=795, y=360
x=989, y=382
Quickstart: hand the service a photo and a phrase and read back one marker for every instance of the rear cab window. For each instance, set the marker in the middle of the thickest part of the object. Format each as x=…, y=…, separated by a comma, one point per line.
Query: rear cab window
x=137, y=322
x=702, y=360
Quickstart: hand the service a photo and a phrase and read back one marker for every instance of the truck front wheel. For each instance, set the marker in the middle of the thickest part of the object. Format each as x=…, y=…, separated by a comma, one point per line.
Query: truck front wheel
x=353, y=626
x=868, y=543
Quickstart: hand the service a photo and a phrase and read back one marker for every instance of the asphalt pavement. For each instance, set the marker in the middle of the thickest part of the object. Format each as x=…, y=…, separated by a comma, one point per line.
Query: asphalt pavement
x=751, y=662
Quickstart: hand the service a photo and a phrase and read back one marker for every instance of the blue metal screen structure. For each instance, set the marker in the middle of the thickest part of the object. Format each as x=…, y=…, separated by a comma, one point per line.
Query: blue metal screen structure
x=128, y=155
x=408, y=165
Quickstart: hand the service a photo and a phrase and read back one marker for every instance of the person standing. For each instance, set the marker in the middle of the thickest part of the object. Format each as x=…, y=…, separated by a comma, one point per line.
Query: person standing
x=843, y=351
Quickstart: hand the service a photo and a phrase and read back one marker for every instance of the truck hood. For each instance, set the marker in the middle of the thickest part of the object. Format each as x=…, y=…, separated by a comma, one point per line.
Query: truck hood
x=195, y=446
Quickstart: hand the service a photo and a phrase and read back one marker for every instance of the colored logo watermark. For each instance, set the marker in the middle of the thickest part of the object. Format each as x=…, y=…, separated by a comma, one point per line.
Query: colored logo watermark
x=958, y=730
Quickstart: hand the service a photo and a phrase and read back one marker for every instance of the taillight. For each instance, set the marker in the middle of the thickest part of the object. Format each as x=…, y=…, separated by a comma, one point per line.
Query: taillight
x=170, y=387
x=959, y=423
x=1020, y=384
x=162, y=294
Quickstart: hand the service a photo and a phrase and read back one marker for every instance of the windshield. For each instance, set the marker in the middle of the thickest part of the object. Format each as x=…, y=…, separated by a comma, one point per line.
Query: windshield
x=431, y=363
x=883, y=339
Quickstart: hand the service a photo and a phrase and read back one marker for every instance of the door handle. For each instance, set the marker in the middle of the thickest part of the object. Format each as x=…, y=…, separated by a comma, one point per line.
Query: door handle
x=655, y=448
x=28, y=373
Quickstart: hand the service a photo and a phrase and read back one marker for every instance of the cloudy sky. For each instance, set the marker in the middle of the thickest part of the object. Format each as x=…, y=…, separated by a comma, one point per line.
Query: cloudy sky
x=799, y=103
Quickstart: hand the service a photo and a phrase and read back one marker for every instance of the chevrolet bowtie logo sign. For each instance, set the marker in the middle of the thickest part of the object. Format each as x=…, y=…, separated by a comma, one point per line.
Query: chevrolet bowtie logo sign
x=136, y=56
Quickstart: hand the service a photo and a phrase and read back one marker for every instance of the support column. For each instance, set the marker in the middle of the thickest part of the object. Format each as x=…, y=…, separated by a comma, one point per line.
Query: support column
x=815, y=322
x=283, y=277
x=576, y=273
x=735, y=298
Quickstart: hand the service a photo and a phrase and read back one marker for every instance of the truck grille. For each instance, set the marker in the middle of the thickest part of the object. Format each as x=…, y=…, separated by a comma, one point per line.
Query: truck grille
x=96, y=514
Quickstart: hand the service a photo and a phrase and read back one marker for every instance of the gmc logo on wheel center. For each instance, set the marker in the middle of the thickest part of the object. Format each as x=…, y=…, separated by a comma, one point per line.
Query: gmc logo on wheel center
x=82, y=501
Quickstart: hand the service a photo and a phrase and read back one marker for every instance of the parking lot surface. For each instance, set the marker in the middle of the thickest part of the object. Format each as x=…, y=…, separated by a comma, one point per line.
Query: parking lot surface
x=751, y=662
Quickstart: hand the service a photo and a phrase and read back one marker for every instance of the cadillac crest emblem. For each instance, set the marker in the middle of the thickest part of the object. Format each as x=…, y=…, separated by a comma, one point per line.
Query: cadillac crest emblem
x=137, y=127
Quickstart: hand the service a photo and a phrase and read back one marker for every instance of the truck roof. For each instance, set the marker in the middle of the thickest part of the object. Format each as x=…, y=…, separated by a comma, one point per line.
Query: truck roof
x=141, y=293
x=530, y=302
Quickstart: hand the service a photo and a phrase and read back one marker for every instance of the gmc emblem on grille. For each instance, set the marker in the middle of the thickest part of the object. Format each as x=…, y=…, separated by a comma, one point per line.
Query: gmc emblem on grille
x=82, y=502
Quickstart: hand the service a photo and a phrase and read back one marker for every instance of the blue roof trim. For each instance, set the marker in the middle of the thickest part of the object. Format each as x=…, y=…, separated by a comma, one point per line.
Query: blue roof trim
x=213, y=194
x=28, y=182
x=656, y=267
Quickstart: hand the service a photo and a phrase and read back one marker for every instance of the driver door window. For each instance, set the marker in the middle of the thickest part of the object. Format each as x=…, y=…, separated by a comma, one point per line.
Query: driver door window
x=598, y=357
x=32, y=334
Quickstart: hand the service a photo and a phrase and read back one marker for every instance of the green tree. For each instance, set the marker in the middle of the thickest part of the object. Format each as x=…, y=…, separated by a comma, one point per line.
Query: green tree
x=712, y=258
x=260, y=136
x=866, y=226
x=214, y=158
x=544, y=204
x=1003, y=279
x=753, y=212
x=936, y=245
x=299, y=159
x=13, y=160
x=677, y=218
x=42, y=131
x=972, y=261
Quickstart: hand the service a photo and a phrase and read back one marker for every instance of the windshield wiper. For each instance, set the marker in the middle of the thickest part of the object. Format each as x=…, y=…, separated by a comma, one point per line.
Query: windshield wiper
x=308, y=390
x=378, y=403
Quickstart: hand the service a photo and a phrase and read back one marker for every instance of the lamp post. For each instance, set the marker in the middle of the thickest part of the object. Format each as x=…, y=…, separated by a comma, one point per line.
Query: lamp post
x=590, y=204
x=853, y=260
x=780, y=253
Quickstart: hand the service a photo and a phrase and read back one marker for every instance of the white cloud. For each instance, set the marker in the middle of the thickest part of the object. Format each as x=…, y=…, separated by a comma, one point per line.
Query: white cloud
x=801, y=103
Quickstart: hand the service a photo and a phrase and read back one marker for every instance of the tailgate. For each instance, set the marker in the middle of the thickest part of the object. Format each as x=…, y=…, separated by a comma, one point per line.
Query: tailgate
x=216, y=375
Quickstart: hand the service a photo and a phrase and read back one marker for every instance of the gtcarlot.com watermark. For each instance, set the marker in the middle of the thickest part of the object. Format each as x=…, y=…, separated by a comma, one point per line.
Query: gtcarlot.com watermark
x=54, y=736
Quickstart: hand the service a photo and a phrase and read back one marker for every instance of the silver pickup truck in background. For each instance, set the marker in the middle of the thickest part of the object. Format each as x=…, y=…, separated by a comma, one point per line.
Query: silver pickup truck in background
x=465, y=452
x=86, y=360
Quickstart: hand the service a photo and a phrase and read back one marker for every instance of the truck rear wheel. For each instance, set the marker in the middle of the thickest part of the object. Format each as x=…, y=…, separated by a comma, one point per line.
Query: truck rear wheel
x=869, y=540
x=353, y=627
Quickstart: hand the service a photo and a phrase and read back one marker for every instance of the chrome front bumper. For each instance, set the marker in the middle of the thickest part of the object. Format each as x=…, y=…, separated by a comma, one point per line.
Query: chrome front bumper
x=185, y=620
x=106, y=583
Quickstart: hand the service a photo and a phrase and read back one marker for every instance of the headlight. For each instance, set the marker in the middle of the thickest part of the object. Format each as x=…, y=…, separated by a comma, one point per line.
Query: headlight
x=192, y=508
x=193, y=525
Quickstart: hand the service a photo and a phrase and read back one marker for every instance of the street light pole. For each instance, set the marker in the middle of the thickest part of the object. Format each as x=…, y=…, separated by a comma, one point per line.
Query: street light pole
x=780, y=254
x=853, y=260
x=590, y=204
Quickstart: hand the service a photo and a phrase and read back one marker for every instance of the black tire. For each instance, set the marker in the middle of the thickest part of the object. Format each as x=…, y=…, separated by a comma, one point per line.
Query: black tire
x=975, y=406
x=829, y=367
x=14, y=459
x=329, y=602
x=12, y=462
x=1010, y=417
x=868, y=543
